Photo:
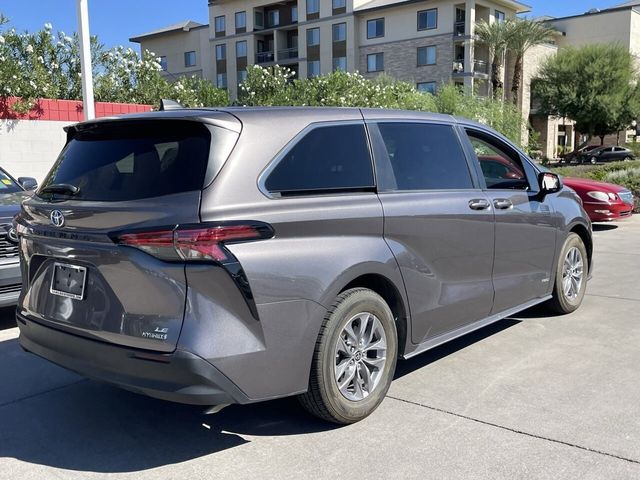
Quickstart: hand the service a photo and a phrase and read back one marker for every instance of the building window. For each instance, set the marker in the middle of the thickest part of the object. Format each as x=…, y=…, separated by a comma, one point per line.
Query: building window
x=273, y=18
x=221, y=51
x=339, y=5
x=340, y=32
x=427, y=55
x=163, y=63
x=375, y=28
x=220, y=24
x=375, y=62
x=313, y=68
x=241, y=49
x=340, y=64
x=294, y=14
x=500, y=16
x=241, y=20
x=427, y=87
x=221, y=80
x=242, y=76
x=428, y=19
x=258, y=19
x=313, y=6
x=189, y=59
x=313, y=37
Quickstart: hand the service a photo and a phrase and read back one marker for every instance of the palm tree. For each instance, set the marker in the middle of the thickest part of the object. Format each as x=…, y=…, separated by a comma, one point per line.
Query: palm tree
x=496, y=37
x=523, y=35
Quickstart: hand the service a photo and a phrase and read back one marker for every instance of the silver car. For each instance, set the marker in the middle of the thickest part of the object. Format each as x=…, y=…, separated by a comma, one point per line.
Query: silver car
x=239, y=255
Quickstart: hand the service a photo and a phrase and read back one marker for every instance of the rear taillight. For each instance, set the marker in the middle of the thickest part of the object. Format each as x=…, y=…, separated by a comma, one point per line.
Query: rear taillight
x=186, y=243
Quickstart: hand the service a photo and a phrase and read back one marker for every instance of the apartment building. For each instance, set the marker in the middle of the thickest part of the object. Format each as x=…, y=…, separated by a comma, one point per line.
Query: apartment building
x=183, y=49
x=425, y=42
x=618, y=24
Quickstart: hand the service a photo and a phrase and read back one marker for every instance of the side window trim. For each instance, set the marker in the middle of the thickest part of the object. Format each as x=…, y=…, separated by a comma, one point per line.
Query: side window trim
x=273, y=163
x=382, y=163
x=500, y=142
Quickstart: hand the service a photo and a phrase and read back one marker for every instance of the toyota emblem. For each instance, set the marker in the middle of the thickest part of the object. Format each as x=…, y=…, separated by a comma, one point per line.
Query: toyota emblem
x=57, y=218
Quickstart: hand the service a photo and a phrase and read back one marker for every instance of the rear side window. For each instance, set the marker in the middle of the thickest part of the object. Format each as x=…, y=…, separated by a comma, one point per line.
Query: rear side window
x=328, y=158
x=134, y=160
x=421, y=156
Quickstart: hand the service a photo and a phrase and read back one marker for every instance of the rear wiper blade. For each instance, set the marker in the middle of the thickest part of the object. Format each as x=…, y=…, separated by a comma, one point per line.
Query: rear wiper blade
x=63, y=188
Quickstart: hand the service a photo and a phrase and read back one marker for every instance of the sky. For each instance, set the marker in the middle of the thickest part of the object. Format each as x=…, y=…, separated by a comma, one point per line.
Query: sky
x=115, y=21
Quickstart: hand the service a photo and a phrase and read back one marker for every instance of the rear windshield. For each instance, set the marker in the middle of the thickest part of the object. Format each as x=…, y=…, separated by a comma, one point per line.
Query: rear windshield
x=7, y=185
x=133, y=160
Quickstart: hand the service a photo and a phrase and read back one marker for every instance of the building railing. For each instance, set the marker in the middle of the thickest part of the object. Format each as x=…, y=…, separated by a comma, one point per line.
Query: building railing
x=288, y=53
x=459, y=29
x=479, y=66
x=264, y=57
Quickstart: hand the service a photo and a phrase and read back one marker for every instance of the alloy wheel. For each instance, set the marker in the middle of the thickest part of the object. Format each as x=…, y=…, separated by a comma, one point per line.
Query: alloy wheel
x=360, y=356
x=572, y=274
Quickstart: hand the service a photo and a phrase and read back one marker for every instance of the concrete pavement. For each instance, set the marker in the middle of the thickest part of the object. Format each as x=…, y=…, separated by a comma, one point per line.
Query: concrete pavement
x=529, y=397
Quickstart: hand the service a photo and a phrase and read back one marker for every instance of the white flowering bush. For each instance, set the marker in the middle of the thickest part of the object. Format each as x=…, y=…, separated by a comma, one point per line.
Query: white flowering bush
x=276, y=86
x=47, y=65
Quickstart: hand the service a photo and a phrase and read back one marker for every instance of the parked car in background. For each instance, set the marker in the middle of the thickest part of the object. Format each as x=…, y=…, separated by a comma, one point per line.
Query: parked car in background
x=602, y=201
x=12, y=193
x=578, y=156
x=608, y=154
x=173, y=255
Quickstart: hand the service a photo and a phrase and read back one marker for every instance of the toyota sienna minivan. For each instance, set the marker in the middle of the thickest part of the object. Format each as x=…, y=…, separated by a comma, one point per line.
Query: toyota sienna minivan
x=244, y=254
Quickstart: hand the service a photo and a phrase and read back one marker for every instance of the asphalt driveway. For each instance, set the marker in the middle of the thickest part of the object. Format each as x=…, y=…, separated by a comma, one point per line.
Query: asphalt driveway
x=530, y=397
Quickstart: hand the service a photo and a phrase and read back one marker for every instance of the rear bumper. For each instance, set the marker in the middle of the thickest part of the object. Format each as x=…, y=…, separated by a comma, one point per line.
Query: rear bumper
x=180, y=376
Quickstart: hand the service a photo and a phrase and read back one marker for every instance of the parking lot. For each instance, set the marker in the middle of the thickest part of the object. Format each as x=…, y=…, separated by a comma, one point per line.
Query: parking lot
x=529, y=397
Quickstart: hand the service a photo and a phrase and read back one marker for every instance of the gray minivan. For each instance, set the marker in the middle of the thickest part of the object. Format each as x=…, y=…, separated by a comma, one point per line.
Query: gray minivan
x=216, y=256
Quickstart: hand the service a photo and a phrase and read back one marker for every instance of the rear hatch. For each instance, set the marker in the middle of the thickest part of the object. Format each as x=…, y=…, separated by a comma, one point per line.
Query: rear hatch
x=112, y=178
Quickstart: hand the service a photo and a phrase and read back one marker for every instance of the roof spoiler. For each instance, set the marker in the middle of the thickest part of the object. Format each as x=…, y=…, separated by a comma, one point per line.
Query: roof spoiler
x=166, y=104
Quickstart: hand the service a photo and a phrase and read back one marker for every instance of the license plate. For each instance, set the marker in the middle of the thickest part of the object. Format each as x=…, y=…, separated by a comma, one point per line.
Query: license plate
x=68, y=281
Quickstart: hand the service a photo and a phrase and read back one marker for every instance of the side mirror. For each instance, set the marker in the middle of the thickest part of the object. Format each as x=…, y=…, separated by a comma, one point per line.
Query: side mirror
x=28, y=183
x=549, y=182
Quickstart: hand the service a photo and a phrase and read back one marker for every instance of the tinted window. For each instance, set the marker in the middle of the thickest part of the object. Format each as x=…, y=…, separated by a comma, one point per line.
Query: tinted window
x=500, y=165
x=132, y=161
x=7, y=185
x=423, y=157
x=326, y=158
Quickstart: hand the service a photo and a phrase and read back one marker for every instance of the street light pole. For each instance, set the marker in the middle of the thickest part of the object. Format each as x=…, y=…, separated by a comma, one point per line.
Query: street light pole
x=85, y=59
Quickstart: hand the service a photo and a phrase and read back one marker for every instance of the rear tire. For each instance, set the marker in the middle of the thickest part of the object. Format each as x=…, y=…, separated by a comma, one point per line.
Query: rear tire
x=352, y=366
x=570, y=276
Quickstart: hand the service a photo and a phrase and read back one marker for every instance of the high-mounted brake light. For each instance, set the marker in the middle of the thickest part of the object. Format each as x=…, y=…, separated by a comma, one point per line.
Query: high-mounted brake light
x=194, y=244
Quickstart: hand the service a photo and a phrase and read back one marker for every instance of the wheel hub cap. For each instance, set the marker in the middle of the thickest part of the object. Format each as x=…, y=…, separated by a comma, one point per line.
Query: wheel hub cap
x=360, y=356
x=572, y=273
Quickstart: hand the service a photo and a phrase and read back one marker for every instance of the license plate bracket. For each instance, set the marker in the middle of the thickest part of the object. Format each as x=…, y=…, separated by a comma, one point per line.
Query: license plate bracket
x=68, y=281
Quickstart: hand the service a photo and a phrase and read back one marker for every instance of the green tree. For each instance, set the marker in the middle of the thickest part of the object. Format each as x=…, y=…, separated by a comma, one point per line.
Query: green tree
x=523, y=35
x=594, y=85
x=496, y=37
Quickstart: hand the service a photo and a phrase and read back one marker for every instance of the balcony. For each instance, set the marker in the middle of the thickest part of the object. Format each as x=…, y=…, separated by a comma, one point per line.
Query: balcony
x=264, y=57
x=288, y=54
x=480, y=68
x=459, y=29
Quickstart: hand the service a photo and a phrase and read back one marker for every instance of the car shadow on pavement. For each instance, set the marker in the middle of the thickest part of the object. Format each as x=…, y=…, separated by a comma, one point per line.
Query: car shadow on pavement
x=84, y=425
x=603, y=227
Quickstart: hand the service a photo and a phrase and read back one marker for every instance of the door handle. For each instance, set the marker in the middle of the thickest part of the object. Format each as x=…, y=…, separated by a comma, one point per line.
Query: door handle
x=502, y=203
x=478, y=204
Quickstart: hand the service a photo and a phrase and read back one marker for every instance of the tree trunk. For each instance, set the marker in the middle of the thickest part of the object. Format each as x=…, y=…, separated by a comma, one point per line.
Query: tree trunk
x=496, y=80
x=601, y=140
x=517, y=79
